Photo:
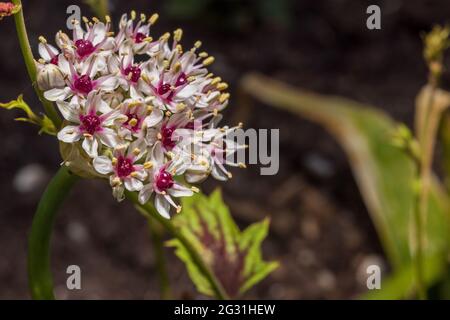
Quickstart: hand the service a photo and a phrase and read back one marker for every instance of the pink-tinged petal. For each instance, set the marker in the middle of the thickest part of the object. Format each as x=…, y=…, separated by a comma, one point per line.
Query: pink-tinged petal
x=47, y=51
x=69, y=134
x=99, y=31
x=162, y=206
x=103, y=165
x=90, y=145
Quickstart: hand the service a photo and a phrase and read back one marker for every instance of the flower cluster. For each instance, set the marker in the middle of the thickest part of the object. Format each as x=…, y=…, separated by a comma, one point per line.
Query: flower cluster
x=139, y=111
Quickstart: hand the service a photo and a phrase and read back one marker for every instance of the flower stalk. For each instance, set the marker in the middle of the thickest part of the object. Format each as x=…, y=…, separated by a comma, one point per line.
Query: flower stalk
x=156, y=235
x=39, y=272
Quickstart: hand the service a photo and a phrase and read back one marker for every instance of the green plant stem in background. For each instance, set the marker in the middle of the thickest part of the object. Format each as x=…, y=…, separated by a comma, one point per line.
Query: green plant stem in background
x=149, y=211
x=39, y=272
x=418, y=253
x=100, y=7
x=31, y=66
x=156, y=234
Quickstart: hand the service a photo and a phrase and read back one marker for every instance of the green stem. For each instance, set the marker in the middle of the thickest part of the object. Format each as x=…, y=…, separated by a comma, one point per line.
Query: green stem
x=418, y=254
x=39, y=274
x=156, y=234
x=149, y=211
x=30, y=64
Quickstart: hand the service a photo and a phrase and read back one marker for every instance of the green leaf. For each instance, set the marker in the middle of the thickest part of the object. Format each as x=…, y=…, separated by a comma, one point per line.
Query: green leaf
x=233, y=256
x=384, y=173
x=45, y=123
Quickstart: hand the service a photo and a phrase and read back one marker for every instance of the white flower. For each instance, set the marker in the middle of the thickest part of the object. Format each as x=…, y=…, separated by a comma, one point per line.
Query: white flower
x=123, y=169
x=221, y=149
x=85, y=43
x=80, y=84
x=139, y=34
x=162, y=182
x=138, y=116
x=89, y=123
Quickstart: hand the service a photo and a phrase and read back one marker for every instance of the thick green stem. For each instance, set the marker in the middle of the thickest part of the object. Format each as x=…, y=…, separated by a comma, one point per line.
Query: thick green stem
x=149, y=211
x=39, y=274
x=156, y=234
x=30, y=64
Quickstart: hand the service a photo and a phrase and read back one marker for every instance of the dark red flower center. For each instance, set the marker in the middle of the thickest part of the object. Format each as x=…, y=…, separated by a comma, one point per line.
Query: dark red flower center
x=164, y=180
x=130, y=117
x=54, y=60
x=90, y=123
x=163, y=89
x=181, y=80
x=134, y=71
x=84, y=47
x=124, y=167
x=83, y=84
x=139, y=37
x=166, y=137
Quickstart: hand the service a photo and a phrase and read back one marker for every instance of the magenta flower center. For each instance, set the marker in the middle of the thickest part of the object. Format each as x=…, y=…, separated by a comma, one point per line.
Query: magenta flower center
x=139, y=37
x=164, y=180
x=90, y=123
x=181, y=80
x=166, y=137
x=54, y=60
x=134, y=72
x=163, y=89
x=84, y=47
x=83, y=84
x=124, y=167
x=130, y=117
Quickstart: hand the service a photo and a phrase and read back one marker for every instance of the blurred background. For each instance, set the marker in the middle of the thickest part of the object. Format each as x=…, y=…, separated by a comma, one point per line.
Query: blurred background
x=320, y=231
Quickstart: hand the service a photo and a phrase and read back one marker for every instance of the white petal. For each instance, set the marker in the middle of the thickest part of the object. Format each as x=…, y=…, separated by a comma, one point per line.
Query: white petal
x=43, y=52
x=145, y=193
x=90, y=145
x=180, y=191
x=162, y=206
x=68, y=111
x=187, y=92
x=69, y=134
x=56, y=94
x=157, y=153
x=133, y=184
x=103, y=165
x=107, y=83
x=108, y=137
x=154, y=118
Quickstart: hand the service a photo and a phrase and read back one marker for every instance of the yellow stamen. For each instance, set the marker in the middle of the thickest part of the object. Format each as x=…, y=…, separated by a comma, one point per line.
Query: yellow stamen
x=136, y=151
x=222, y=86
x=148, y=165
x=152, y=20
x=208, y=61
x=178, y=34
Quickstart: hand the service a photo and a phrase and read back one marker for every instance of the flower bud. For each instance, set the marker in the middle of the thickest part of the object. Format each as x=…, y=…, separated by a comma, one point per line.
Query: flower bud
x=77, y=160
x=49, y=77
